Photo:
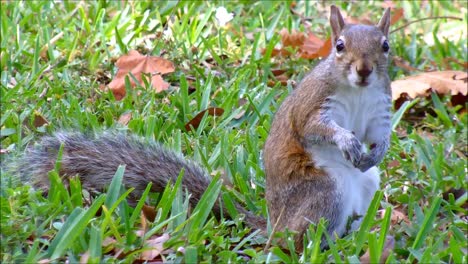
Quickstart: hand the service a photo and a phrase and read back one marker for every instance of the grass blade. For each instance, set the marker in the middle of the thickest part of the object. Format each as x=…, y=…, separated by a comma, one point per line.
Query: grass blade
x=367, y=222
x=426, y=227
x=203, y=208
x=396, y=118
x=95, y=245
x=115, y=187
x=73, y=227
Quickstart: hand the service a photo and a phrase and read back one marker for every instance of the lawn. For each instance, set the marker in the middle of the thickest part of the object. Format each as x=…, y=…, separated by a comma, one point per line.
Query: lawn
x=58, y=57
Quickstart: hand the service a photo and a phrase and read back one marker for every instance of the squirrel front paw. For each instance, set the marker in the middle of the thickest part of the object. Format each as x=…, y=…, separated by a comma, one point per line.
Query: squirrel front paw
x=350, y=146
x=374, y=157
x=366, y=163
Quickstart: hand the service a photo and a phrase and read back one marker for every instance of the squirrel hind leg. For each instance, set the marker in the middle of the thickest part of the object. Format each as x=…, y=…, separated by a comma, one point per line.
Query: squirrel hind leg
x=306, y=203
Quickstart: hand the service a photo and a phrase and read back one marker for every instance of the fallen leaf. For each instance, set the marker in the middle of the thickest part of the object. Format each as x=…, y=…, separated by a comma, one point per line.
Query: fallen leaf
x=283, y=79
x=125, y=118
x=393, y=164
x=277, y=72
x=388, y=247
x=195, y=122
x=149, y=212
x=309, y=45
x=293, y=39
x=314, y=47
x=397, y=15
x=397, y=216
x=138, y=65
x=84, y=257
x=442, y=82
x=39, y=120
x=154, y=247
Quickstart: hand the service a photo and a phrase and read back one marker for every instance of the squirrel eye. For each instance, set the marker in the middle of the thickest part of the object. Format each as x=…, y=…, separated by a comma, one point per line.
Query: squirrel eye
x=339, y=45
x=385, y=46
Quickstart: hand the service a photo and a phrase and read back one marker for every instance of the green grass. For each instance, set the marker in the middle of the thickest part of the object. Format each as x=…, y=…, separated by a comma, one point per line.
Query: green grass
x=61, y=84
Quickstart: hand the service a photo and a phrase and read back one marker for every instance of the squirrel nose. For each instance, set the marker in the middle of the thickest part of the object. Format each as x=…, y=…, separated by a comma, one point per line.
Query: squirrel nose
x=364, y=71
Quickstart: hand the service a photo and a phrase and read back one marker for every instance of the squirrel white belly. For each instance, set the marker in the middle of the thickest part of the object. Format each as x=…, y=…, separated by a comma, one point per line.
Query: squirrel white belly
x=354, y=111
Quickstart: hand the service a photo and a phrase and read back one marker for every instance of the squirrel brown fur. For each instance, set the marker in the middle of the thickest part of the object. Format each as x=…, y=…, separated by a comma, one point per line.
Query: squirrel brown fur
x=316, y=162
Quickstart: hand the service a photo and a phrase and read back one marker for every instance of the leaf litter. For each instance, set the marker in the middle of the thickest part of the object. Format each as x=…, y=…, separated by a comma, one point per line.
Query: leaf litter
x=139, y=65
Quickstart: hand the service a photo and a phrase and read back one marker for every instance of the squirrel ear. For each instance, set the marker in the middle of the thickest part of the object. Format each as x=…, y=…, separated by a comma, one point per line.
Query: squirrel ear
x=384, y=23
x=336, y=22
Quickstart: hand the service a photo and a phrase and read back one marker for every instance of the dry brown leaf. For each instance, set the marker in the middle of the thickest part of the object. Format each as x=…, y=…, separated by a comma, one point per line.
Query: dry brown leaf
x=154, y=247
x=195, y=122
x=84, y=259
x=442, y=82
x=277, y=72
x=293, y=39
x=388, y=247
x=39, y=120
x=138, y=65
x=393, y=164
x=283, y=79
x=314, y=47
x=397, y=15
x=309, y=45
x=397, y=216
x=149, y=212
x=125, y=118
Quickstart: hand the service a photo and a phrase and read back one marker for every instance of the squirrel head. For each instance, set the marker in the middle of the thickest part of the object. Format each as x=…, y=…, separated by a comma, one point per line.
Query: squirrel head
x=360, y=52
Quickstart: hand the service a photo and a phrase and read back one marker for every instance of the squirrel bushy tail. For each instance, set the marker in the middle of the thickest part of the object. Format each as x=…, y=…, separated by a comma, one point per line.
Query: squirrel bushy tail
x=95, y=158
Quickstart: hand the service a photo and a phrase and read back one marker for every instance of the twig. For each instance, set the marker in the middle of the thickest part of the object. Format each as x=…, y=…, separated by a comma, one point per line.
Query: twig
x=304, y=20
x=426, y=18
x=270, y=238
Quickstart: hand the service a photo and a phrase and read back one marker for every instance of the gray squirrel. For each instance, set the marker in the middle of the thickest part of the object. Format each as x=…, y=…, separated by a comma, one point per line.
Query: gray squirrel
x=316, y=161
